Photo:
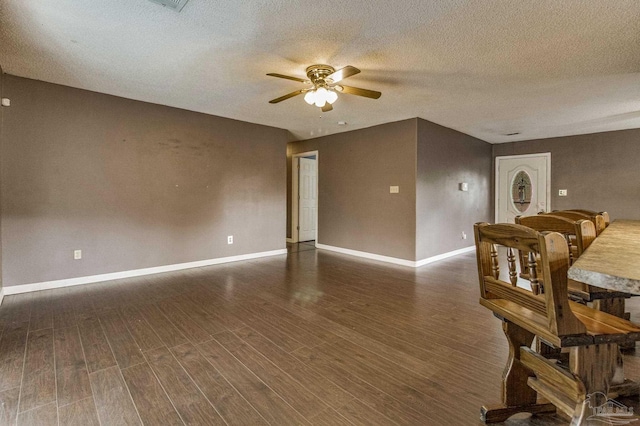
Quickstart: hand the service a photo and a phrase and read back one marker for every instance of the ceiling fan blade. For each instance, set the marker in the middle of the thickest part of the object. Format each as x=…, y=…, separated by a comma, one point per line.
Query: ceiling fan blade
x=327, y=107
x=288, y=77
x=361, y=92
x=343, y=73
x=287, y=96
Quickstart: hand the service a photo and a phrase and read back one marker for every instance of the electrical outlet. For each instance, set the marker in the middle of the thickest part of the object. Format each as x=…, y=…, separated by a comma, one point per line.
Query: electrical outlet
x=394, y=189
x=230, y=239
x=77, y=254
x=562, y=193
x=464, y=236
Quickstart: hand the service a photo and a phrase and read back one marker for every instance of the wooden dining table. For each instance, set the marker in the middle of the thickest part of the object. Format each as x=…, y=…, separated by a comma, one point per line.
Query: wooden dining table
x=612, y=261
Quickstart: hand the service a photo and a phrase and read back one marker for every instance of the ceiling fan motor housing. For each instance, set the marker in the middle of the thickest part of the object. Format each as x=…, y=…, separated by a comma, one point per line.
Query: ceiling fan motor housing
x=318, y=73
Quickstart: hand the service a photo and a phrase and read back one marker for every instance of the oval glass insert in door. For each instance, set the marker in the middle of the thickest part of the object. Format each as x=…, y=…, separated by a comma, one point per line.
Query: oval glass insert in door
x=521, y=190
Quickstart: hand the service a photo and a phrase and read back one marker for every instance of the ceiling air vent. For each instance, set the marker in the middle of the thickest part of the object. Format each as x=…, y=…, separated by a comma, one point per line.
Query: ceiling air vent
x=176, y=5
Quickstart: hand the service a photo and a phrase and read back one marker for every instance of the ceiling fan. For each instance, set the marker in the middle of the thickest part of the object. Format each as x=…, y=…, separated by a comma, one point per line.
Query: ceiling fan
x=324, y=87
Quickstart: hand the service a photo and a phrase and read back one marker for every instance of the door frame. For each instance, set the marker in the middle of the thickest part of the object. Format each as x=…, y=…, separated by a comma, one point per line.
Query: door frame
x=295, y=192
x=511, y=157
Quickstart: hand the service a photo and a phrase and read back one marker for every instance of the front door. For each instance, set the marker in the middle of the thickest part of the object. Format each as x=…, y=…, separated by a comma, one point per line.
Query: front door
x=523, y=186
x=308, y=199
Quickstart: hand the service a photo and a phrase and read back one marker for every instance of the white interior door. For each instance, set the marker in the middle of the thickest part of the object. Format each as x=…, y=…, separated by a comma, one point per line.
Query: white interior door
x=308, y=199
x=523, y=186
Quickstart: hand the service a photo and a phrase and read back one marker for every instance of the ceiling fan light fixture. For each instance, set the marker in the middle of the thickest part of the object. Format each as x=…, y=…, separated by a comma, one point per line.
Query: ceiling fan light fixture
x=323, y=90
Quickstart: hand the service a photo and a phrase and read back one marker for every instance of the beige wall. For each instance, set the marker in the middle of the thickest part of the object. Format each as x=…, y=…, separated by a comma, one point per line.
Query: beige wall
x=355, y=169
x=446, y=158
x=600, y=171
x=132, y=184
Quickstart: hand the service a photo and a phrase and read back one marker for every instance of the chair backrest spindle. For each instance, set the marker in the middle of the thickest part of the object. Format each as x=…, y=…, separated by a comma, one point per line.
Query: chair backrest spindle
x=511, y=260
x=495, y=268
x=532, y=264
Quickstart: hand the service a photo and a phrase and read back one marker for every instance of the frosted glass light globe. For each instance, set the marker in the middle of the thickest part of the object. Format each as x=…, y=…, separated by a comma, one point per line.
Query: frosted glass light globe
x=321, y=97
x=332, y=96
x=310, y=97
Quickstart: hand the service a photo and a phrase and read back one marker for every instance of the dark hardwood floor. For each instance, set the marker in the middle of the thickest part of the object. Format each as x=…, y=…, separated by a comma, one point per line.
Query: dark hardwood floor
x=308, y=338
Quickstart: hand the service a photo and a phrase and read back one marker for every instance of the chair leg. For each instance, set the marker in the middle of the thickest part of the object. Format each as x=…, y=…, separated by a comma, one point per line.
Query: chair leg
x=517, y=396
x=515, y=390
x=596, y=380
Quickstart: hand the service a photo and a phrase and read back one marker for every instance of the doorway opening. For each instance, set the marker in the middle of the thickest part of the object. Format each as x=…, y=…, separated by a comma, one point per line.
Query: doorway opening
x=304, y=197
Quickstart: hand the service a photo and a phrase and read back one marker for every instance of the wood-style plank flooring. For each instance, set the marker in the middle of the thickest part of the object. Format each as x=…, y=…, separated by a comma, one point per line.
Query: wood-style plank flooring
x=309, y=338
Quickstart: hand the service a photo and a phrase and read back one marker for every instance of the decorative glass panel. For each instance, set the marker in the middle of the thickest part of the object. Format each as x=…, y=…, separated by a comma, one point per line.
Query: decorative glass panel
x=521, y=191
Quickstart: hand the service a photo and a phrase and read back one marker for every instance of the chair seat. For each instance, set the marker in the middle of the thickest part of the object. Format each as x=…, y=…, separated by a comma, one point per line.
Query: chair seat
x=601, y=327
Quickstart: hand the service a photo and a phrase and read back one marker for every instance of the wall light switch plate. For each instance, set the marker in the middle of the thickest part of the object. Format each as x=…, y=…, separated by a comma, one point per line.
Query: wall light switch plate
x=394, y=189
x=562, y=193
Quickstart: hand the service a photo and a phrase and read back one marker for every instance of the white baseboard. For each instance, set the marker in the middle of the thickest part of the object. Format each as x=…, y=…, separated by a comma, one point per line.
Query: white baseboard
x=395, y=260
x=438, y=257
x=366, y=255
x=1, y=295
x=46, y=285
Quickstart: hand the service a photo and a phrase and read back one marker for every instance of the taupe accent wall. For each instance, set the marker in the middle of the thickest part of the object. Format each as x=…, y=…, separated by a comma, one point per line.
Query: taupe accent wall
x=447, y=158
x=355, y=169
x=132, y=184
x=600, y=171
x=427, y=161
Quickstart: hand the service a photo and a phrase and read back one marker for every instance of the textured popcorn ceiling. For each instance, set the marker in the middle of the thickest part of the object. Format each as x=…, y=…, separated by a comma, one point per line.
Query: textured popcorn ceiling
x=486, y=68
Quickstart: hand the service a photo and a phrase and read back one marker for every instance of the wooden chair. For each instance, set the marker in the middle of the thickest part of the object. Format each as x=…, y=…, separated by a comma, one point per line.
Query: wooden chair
x=605, y=215
x=579, y=236
x=591, y=336
x=597, y=219
x=579, y=233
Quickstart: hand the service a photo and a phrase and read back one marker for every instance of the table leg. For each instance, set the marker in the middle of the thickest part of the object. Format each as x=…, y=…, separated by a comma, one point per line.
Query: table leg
x=596, y=380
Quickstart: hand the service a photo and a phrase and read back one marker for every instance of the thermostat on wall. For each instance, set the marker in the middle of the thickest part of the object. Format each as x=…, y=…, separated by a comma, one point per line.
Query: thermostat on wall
x=6, y=102
x=464, y=186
